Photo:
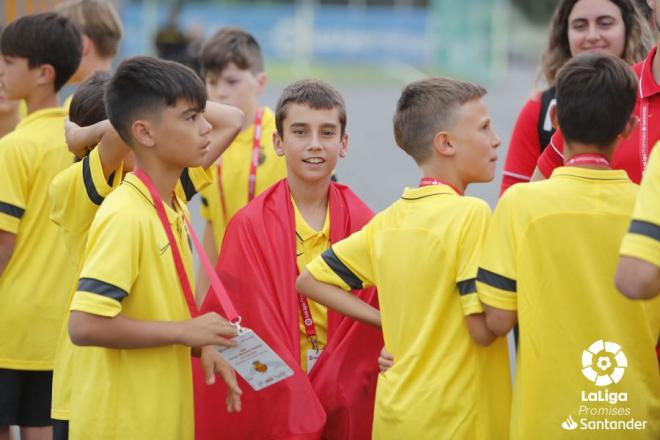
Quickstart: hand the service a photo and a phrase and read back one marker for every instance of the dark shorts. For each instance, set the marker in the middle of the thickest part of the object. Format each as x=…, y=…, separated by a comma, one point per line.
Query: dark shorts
x=25, y=397
x=60, y=429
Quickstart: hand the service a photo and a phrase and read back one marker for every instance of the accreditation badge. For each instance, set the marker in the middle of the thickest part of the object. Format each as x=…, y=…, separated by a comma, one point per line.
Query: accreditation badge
x=255, y=361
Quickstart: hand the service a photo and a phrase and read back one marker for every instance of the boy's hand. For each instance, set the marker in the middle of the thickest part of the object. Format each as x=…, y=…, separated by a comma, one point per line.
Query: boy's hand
x=213, y=364
x=385, y=361
x=207, y=329
x=81, y=140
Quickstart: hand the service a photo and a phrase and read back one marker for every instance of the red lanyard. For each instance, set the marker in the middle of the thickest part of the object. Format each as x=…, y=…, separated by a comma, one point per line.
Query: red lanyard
x=588, y=159
x=308, y=320
x=644, y=134
x=254, y=164
x=428, y=181
x=216, y=284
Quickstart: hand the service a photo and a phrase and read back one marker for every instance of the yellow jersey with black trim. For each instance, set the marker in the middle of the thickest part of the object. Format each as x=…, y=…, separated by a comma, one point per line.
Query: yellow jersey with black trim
x=128, y=269
x=643, y=238
x=76, y=194
x=235, y=175
x=39, y=276
x=310, y=244
x=586, y=357
x=422, y=253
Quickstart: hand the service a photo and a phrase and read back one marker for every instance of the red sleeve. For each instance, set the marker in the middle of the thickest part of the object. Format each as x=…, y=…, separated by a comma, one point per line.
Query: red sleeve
x=524, y=148
x=552, y=156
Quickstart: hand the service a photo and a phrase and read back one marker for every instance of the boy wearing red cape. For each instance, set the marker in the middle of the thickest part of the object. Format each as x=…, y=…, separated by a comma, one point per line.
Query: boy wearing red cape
x=267, y=244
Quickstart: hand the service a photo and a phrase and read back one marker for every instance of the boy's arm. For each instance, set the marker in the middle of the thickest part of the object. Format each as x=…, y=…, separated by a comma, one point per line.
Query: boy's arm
x=120, y=332
x=82, y=140
x=637, y=278
x=496, y=277
x=346, y=266
x=500, y=321
x=14, y=183
x=469, y=248
x=7, y=244
x=226, y=121
x=337, y=299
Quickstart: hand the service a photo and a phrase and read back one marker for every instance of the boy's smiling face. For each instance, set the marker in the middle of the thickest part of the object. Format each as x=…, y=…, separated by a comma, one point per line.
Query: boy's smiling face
x=475, y=142
x=311, y=142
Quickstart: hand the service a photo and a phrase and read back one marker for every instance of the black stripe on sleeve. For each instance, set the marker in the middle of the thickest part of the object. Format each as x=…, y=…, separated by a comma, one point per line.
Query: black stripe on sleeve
x=187, y=184
x=467, y=286
x=13, y=210
x=101, y=288
x=495, y=280
x=645, y=228
x=341, y=270
x=93, y=195
x=205, y=201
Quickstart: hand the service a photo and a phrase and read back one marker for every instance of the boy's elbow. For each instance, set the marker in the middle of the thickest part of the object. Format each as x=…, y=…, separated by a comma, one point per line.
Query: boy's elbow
x=500, y=322
x=303, y=282
x=80, y=332
x=237, y=118
x=637, y=279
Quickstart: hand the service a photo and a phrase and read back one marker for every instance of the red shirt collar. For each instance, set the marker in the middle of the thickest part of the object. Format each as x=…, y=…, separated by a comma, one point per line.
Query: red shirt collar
x=647, y=85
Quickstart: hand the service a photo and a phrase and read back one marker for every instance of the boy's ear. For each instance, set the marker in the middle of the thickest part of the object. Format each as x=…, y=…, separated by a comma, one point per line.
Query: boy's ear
x=46, y=74
x=630, y=126
x=143, y=133
x=262, y=80
x=87, y=45
x=553, y=116
x=343, y=149
x=442, y=145
x=277, y=144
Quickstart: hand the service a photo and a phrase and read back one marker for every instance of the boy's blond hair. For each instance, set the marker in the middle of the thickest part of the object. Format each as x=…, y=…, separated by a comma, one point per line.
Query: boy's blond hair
x=98, y=20
x=427, y=107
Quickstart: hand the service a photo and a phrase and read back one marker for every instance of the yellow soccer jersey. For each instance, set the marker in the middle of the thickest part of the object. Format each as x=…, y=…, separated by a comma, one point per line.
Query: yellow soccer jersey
x=310, y=244
x=76, y=194
x=235, y=174
x=551, y=254
x=128, y=269
x=422, y=254
x=39, y=275
x=643, y=238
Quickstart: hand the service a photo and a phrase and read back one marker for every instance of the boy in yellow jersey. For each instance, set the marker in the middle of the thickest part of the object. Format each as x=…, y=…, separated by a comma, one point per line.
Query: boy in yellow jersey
x=40, y=53
x=101, y=30
x=78, y=191
x=586, y=358
x=134, y=302
x=638, y=272
x=267, y=244
x=233, y=68
x=421, y=253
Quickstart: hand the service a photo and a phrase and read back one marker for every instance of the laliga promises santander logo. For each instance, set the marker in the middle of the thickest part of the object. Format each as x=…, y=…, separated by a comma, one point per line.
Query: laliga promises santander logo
x=604, y=363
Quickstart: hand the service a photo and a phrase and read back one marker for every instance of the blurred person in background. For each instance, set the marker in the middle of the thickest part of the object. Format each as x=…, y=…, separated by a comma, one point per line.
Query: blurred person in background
x=612, y=26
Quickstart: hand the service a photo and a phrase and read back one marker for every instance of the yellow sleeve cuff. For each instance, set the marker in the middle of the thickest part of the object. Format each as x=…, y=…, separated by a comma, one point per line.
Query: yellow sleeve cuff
x=95, y=304
x=103, y=188
x=642, y=247
x=9, y=223
x=324, y=274
x=497, y=298
x=471, y=304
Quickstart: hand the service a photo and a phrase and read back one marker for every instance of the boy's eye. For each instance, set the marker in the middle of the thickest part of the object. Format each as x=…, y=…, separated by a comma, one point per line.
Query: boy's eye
x=328, y=132
x=298, y=131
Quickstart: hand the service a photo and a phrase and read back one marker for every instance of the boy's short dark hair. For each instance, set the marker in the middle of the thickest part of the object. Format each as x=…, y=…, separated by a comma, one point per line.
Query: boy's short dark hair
x=88, y=102
x=232, y=45
x=596, y=94
x=144, y=86
x=427, y=107
x=315, y=93
x=44, y=39
x=98, y=20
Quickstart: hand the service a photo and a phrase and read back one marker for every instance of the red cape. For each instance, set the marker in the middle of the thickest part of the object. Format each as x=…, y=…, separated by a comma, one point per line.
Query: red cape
x=258, y=267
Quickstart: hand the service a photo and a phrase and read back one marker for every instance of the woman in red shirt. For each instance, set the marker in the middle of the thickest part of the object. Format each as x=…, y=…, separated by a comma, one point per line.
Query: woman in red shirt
x=612, y=26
